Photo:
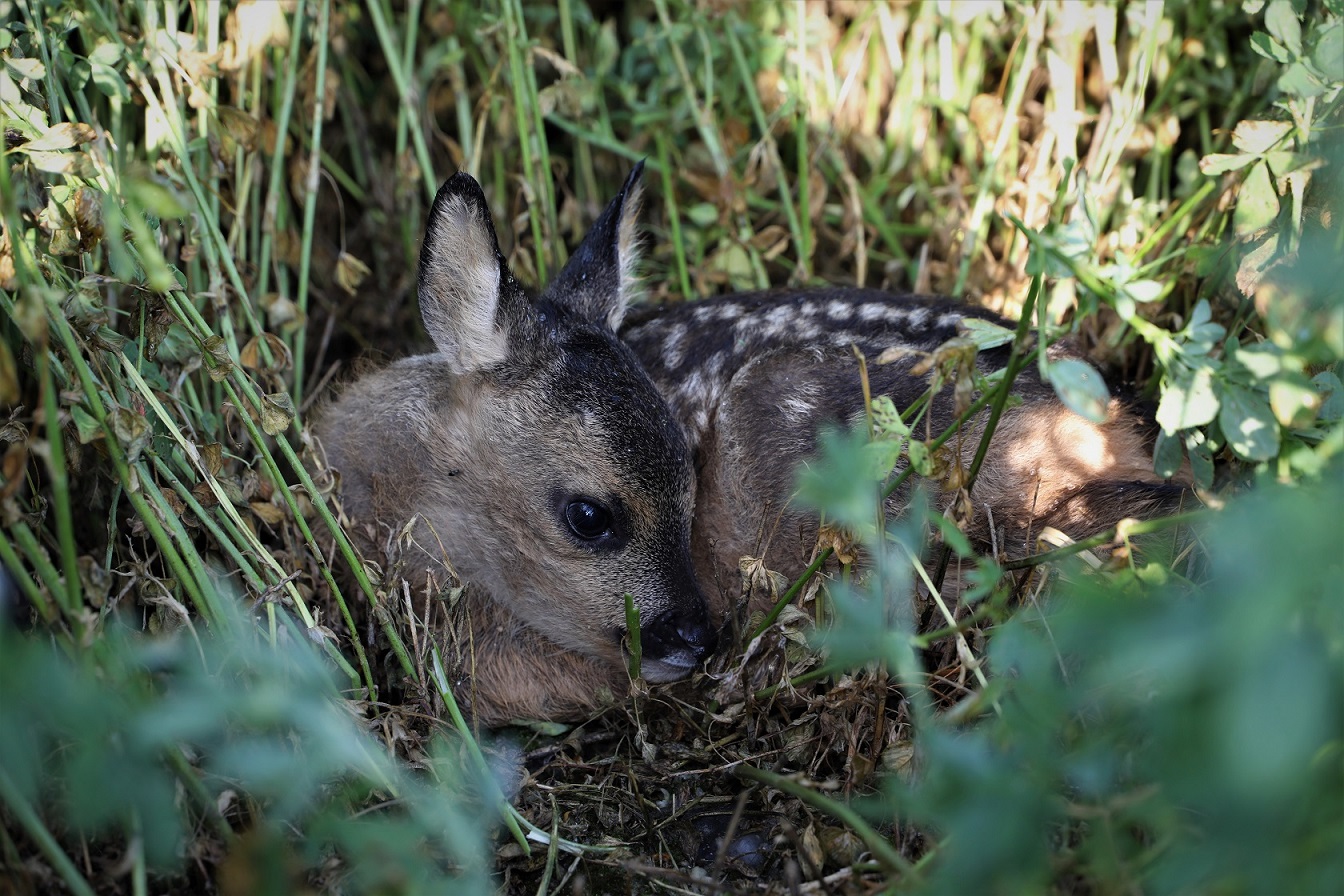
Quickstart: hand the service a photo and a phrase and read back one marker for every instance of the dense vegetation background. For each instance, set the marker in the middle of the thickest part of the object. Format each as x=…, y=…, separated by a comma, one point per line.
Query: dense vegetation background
x=210, y=211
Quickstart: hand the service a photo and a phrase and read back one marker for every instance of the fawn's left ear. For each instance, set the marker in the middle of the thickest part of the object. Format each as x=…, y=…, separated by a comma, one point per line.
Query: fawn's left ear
x=599, y=281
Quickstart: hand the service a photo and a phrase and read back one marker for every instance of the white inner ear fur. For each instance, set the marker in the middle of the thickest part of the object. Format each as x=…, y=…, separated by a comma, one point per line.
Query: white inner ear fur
x=461, y=295
x=629, y=251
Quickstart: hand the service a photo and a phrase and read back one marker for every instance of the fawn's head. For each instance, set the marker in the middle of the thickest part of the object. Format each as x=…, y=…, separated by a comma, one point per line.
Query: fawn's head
x=547, y=466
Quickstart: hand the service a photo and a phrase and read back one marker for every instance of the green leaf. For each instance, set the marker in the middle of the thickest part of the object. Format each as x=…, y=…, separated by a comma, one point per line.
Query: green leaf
x=986, y=334
x=1188, y=400
x=887, y=419
x=1201, y=458
x=1300, y=81
x=1221, y=162
x=1167, y=455
x=106, y=53
x=1294, y=400
x=1328, y=54
x=1332, y=395
x=1263, y=361
x=61, y=136
x=1258, y=137
x=1248, y=423
x=1283, y=24
x=1268, y=47
x=87, y=426
x=1081, y=388
x=1257, y=203
x=110, y=82
x=1144, y=290
x=156, y=199
x=702, y=214
x=26, y=69
x=920, y=458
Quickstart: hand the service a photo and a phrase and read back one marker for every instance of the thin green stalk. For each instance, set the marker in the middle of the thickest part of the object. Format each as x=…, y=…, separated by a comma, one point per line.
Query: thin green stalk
x=310, y=188
x=133, y=483
x=768, y=138
x=803, y=175
x=69, y=596
x=877, y=844
x=198, y=586
x=31, y=823
x=227, y=541
x=673, y=216
x=587, y=180
x=794, y=590
x=527, y=115
x=276, y=165
x=505, y=808
x=401, y=79
x=39, y=562
x=1017, y=359
x=704, y=123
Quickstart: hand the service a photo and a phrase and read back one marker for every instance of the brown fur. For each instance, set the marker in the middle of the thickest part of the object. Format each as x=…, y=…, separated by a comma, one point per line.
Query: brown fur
x=530, y=408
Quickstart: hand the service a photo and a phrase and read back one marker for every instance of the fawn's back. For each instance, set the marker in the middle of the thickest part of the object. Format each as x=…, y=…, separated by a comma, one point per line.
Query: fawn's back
x=754, y=378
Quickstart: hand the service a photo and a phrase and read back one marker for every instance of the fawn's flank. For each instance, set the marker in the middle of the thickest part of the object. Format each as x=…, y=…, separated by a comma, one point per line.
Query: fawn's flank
x=553, y=467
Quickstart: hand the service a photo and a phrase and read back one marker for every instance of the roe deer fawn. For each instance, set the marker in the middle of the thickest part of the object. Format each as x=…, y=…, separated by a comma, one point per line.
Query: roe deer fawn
x=537, y=462
x=556, y=467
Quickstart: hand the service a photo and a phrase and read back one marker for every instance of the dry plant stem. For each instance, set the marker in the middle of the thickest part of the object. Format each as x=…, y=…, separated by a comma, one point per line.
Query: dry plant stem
x=767, y=138
x=31, y=823
x=880, y=847
x=1140, y=527
x=804, y=157
x=979, y=217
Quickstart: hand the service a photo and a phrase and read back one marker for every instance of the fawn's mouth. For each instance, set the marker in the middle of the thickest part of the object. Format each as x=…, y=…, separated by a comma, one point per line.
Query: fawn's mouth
x=673, y=644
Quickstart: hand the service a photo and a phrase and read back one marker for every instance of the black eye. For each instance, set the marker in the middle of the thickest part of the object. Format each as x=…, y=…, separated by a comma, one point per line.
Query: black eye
x=588, y=519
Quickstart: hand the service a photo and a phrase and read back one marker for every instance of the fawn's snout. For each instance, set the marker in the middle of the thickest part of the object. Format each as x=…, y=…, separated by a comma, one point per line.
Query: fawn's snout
x=676, y=642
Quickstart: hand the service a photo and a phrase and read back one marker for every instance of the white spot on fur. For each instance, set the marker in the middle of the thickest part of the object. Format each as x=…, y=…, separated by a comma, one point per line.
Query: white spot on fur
x=950, y=319
x=838, y=310
x=876, y=311
x=796, y=409
x=674, y=347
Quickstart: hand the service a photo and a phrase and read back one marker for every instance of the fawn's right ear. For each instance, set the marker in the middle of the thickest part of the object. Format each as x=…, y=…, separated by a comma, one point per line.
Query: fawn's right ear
x=464, y=279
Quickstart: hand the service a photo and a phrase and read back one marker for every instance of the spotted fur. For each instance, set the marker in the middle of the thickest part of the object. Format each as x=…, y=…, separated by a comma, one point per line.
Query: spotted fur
x=754, y=378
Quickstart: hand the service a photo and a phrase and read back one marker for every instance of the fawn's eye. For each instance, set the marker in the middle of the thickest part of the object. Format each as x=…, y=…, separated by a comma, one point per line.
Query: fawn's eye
x=588, y=520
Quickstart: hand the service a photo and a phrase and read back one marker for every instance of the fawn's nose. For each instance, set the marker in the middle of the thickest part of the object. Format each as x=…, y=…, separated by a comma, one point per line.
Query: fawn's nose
x=674, y=643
